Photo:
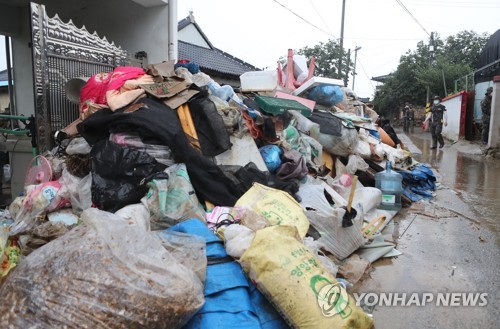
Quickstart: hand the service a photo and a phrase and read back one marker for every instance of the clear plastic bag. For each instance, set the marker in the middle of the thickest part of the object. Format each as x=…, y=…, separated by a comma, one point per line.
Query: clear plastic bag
x=172, y=200
x=40, y=200
x=101, y=274
x=77, y=190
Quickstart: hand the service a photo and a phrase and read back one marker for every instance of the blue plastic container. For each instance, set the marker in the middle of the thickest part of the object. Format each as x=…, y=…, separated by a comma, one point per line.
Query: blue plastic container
x=390, y=183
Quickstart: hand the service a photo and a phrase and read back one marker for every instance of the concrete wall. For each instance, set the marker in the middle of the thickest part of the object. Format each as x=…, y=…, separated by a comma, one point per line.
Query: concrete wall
x=453, y=117
x=494, y=137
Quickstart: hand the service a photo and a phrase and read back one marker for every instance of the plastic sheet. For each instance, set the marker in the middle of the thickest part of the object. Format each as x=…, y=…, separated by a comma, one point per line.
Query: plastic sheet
x=109, y=275
x=231, y=300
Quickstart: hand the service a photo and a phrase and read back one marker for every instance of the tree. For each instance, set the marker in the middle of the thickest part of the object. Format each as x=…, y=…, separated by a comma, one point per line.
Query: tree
x=454, y=57
x=327, y=56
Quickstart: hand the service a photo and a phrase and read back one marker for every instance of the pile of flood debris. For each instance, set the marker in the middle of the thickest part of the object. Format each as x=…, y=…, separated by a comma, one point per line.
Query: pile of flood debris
x=174, y=201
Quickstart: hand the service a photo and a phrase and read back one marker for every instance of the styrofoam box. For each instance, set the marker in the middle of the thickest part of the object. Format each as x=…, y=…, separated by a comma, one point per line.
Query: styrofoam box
x=259, y=80
x=316, y=81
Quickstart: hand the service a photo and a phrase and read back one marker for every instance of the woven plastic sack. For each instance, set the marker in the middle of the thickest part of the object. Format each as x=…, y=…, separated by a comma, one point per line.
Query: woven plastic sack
x=277, y=206
x=101, y=274
x=327, y=220
x=297, y=284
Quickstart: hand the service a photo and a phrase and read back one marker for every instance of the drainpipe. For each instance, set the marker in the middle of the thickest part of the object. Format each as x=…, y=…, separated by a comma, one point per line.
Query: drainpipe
x=172, y=30
x=12, y=105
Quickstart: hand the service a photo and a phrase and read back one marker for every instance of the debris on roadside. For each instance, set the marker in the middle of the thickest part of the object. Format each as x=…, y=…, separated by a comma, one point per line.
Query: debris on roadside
x=173, y=196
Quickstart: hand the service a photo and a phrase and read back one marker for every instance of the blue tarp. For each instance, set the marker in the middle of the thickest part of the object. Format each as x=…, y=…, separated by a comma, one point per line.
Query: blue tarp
x=231, y=301
x=419, y=182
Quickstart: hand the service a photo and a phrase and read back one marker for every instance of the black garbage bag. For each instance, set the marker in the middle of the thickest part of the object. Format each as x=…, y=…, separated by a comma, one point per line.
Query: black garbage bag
x=209, y=125
x=245, y=176
x=120, y=175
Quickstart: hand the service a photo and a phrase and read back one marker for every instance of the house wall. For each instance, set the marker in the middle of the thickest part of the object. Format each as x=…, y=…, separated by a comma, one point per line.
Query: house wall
x=192, y=35
x=4, y=99
x=126, y=23
x=494, y=136
x=454, y=116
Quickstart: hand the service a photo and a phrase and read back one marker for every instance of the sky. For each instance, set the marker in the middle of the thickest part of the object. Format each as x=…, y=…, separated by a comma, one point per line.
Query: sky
x=261, y=31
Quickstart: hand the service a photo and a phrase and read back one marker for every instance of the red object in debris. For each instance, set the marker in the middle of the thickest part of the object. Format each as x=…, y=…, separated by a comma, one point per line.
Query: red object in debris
x=290, y=82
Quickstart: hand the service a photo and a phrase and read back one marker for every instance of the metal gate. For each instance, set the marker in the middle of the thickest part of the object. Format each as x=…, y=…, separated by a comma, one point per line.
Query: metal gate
x=61, y=51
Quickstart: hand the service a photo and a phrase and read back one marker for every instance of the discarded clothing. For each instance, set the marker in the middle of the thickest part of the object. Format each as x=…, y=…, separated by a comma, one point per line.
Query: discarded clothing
x=153, y=119
x=212, y=133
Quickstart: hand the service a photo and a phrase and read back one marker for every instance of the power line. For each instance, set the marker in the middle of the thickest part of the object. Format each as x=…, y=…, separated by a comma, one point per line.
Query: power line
x=305, y=20
x=364, y=71
x=321, y=17
x=411, y=15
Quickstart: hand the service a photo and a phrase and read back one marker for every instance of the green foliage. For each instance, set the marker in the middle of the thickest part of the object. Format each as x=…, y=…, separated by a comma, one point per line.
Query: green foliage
x=454, y=57
x=327, y=57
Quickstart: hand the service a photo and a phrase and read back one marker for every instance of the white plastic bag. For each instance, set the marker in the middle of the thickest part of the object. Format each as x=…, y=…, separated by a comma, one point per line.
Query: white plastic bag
x=356, y=163
x=238, y=238
x=135, y=215
x=78, y=145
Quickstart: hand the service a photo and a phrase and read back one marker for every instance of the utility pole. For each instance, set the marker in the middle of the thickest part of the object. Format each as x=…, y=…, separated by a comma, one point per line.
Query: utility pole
x=342, y=43
x=354, y=71
x=347, y=67
x=431, y=57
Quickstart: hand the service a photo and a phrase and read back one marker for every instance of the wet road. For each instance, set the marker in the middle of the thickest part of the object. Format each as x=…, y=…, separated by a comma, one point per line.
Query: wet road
x=450, y=244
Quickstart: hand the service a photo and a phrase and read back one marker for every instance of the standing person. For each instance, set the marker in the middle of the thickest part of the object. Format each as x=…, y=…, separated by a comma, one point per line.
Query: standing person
x=437, y=116
x=410, y=118
x=486, y=109
x=404, y=118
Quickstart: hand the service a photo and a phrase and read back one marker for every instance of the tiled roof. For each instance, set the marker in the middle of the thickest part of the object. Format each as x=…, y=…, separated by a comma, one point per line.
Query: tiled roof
x=3, y=75
x=213, y=59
